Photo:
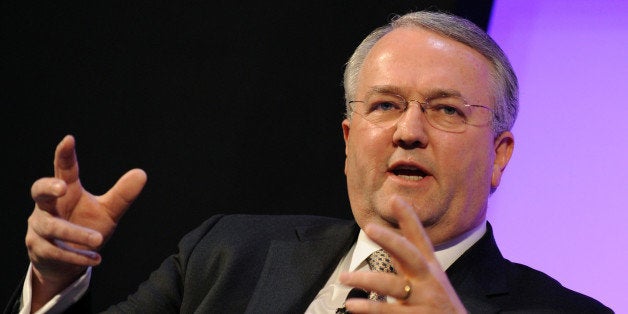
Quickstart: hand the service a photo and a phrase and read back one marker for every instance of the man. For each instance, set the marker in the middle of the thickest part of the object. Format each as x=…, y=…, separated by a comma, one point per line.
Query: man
x=430, y=102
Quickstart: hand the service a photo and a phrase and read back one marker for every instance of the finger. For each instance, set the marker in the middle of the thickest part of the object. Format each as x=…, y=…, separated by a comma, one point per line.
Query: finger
x=363, y=306
x=407, y=258
x=382, y=283
x=45, y=192
x=62, y=245
x=49, y=227
x=66, y=163
x=124, y=192
x=41, y=252
x=410, y=225
x=367, y=306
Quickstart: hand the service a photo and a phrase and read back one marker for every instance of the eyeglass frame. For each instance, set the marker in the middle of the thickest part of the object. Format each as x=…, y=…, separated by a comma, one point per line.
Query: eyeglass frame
x=422, y=105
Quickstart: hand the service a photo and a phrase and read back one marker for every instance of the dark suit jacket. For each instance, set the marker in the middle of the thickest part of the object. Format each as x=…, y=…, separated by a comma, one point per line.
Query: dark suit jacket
x=277, y=264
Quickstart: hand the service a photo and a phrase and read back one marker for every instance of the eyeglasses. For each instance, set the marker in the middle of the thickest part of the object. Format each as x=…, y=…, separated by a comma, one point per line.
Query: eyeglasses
x=448, y=113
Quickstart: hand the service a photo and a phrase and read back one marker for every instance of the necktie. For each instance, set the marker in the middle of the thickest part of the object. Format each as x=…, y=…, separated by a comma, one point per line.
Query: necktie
x=354, y=293
x=379, y=261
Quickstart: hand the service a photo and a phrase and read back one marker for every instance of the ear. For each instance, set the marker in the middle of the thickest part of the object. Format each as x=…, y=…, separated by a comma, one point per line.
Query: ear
x=504, y=145
x=346, y=126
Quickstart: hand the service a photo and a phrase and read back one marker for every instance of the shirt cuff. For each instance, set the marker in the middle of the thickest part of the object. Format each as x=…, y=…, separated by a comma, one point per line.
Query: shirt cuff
x=59, y=302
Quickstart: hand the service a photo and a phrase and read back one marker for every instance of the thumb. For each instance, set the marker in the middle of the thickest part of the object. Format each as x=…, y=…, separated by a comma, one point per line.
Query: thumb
x=124, y=192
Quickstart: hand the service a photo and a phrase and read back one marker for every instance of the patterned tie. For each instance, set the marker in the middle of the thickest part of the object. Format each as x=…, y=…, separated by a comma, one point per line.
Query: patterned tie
x=379, y=261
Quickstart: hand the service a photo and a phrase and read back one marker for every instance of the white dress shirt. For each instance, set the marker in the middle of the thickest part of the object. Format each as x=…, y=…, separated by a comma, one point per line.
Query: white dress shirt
x=59, y=302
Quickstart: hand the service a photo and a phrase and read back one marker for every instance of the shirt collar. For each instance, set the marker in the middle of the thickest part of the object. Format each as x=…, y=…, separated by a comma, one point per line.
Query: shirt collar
x=446, y=253
x=363, y=248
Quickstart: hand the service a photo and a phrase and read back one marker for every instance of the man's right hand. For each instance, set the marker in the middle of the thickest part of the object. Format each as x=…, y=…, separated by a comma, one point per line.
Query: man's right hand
x=69, y=225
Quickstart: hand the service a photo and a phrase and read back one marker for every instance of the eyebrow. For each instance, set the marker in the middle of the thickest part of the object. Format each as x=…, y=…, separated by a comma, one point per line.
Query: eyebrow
x=430, y=94
x=384, y=89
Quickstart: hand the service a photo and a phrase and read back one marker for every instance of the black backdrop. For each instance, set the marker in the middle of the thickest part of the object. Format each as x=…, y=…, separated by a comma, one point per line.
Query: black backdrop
x=229, y=106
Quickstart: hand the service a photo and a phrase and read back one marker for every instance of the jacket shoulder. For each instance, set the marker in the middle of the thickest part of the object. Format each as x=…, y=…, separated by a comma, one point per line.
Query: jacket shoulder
x=538, y=289
x=488, y=282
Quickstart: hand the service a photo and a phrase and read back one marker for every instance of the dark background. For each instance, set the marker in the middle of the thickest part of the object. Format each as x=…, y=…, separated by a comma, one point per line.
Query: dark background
x=229, y=107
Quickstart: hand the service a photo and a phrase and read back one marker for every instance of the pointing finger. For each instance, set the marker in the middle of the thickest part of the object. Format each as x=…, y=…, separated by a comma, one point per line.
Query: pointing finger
x=66, y=164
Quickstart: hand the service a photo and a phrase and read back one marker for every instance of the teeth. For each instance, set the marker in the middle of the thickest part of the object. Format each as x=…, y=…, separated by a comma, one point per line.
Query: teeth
x=411, y=178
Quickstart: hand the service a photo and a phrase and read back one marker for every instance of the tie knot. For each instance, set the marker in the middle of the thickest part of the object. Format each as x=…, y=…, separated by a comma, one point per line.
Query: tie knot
x=380, y=261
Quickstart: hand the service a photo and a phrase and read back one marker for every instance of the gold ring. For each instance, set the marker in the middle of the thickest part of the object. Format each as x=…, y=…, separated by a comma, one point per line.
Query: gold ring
x=407, y=289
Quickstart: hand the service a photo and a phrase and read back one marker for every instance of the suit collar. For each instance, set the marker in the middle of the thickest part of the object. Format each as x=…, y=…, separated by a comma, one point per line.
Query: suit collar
x=297, y=268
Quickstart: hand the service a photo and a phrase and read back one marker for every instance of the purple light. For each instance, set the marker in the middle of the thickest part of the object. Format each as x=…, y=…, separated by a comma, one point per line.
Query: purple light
x=562, y=206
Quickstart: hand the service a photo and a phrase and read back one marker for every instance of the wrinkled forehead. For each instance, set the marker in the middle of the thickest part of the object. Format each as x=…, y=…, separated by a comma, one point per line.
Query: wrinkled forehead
x=415, y=60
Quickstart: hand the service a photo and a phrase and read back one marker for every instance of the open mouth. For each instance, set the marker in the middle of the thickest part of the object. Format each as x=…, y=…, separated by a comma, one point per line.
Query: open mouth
x=408, y=172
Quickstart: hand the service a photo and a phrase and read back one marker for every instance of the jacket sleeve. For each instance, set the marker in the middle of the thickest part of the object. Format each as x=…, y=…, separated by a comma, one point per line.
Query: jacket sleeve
x=163, y=291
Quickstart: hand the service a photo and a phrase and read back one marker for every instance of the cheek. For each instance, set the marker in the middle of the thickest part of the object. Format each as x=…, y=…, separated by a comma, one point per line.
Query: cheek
x=469, y=160
x=369, y=142
x=481, y=171
x=367, y=151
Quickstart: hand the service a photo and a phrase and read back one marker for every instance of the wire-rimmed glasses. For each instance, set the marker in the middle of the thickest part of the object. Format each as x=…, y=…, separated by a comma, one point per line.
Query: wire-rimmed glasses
x=445, y=112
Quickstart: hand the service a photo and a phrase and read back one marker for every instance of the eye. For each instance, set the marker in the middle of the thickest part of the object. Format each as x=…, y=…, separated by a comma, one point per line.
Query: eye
x=449, y=110
x=384, y=106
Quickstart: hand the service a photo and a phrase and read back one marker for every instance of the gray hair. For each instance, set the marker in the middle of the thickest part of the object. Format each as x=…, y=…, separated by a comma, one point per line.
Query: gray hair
x=504, y=81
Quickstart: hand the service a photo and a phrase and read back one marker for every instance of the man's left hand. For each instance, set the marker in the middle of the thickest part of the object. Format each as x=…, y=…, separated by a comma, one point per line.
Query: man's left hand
x=419, y=286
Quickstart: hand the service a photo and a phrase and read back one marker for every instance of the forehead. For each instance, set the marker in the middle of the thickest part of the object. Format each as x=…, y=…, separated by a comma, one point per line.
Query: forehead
x=416, y=60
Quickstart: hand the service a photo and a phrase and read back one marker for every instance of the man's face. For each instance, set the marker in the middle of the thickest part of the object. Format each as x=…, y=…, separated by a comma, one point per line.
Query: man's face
x=446, y=176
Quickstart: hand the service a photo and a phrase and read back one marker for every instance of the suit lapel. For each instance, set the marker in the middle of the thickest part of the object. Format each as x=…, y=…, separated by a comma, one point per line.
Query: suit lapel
x=296, y=269
x=480, y=273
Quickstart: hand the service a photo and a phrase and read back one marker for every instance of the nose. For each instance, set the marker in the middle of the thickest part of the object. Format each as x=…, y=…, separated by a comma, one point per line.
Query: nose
x=410, y=129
